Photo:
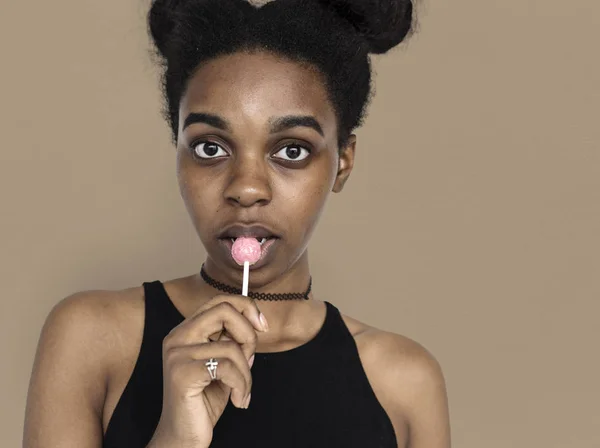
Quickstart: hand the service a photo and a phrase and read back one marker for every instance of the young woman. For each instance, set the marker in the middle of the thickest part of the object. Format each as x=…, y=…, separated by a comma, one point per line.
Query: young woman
x=262, y=101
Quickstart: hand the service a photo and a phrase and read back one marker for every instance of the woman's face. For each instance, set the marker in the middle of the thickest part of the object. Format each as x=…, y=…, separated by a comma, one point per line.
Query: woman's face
x=257, y=145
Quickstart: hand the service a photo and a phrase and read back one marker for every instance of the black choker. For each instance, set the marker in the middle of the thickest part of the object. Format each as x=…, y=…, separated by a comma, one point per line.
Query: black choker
x=255, y=295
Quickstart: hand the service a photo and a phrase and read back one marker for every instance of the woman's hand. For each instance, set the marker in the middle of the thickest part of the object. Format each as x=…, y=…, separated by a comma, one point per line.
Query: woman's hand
x=192, y=401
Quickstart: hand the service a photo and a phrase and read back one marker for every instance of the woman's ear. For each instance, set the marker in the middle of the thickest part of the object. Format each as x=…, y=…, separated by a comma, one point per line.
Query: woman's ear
x=345, y=164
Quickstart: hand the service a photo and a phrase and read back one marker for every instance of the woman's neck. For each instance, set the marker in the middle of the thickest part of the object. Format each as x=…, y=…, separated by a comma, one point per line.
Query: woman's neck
x=280, y=314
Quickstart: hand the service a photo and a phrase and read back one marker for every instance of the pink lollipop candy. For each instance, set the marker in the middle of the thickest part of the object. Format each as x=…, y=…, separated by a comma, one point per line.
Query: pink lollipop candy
x=246, y=249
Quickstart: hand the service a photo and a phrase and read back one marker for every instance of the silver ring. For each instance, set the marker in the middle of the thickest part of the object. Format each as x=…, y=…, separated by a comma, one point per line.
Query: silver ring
x=211, y=365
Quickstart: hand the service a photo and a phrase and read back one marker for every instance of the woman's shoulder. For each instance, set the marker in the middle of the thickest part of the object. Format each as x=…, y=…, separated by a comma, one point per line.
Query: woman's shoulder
x=106, y=322
x=100, y=311
x=402, y=372
x=375, y=343
x=87, y=339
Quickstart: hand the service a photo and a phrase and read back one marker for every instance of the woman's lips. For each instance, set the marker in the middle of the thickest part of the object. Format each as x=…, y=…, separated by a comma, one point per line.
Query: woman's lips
x=267, y=249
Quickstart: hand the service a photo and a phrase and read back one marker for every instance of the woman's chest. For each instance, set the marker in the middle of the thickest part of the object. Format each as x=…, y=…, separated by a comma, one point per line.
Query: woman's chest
x=324, y=393
x=316, y=402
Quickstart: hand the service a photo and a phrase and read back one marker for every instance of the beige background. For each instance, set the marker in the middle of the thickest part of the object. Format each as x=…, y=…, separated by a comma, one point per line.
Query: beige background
x=475, y=200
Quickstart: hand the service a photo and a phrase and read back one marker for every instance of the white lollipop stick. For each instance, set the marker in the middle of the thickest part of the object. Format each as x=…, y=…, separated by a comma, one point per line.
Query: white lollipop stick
x=246, y=277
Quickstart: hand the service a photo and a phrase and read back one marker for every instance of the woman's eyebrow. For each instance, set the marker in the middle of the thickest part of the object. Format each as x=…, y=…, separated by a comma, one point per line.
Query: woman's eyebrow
x=201, y=117
x=277, y=124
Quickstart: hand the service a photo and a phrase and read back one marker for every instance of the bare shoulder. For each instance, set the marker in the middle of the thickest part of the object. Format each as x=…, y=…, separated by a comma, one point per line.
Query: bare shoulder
x=80, y=340
x=101, y=315
x=409, y=383
x=100, y=323
x=410, y=359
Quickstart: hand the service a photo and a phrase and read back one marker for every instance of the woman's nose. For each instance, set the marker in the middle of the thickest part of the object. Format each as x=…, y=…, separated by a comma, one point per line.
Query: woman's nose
x=249, y=183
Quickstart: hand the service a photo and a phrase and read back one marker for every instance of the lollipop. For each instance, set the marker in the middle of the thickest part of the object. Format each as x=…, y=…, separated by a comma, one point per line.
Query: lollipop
x=246, y=251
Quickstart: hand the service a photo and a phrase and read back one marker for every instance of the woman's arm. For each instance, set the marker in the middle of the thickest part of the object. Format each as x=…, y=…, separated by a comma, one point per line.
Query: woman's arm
x=427, y=404
x=68, y=382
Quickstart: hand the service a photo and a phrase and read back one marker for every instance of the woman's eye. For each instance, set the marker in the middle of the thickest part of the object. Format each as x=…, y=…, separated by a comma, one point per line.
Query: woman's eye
x=210, y=150
x=294, y=152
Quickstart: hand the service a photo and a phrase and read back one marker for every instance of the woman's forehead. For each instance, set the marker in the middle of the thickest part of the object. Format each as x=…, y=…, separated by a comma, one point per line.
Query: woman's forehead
x=257, y=84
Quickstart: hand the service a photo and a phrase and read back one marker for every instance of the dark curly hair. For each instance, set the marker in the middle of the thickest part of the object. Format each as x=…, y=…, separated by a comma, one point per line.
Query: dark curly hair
x=333, y=36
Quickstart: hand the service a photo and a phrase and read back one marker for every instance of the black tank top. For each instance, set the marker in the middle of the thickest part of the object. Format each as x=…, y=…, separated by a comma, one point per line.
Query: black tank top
x=316, y=395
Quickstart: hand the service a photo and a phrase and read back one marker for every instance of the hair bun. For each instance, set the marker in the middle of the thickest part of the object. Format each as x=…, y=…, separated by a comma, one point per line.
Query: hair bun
x=161, y=22
x=383, y=24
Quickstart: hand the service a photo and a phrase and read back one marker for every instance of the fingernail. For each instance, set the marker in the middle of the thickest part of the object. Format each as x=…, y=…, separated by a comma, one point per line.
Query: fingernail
x=248, y=400
x=251, y=361
x=263, y=321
